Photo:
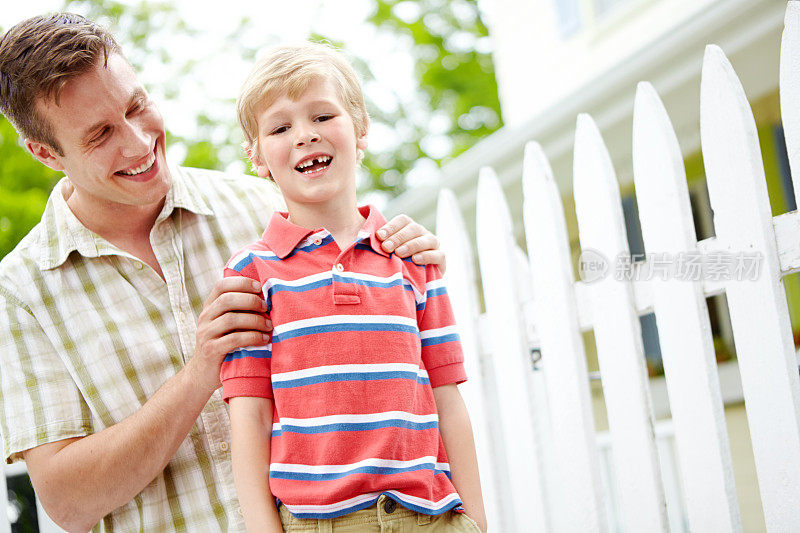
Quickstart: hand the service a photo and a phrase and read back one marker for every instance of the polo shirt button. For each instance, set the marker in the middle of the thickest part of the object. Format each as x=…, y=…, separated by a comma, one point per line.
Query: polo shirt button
x=138, y=265
x=239, y=511
x=340, y=267
x=223, y=446
x=390, y=506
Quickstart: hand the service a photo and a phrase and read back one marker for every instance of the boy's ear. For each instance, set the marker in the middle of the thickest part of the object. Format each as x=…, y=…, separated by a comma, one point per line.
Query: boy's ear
x=258, y=164
x=361, y=141
x=45, y=154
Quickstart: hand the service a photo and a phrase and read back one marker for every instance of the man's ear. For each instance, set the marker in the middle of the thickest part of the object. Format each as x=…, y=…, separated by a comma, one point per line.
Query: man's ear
x=45, y=154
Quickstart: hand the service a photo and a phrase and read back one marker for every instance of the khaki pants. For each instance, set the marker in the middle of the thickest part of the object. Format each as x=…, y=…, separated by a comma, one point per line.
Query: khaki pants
x=383, y=517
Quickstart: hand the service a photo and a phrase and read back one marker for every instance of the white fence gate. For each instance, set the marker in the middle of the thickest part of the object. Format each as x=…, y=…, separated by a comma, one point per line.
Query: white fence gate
x=543, y=467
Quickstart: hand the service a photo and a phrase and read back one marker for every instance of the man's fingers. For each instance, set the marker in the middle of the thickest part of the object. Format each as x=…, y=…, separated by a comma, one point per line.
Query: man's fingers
x=418, y=244
x=233, y=284
x=239, y=339
x=431, y=257
x=388, y=231
x=403, y=236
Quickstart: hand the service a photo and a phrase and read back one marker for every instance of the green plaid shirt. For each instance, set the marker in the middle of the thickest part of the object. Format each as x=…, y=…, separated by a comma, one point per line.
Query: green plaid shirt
x=88, y=333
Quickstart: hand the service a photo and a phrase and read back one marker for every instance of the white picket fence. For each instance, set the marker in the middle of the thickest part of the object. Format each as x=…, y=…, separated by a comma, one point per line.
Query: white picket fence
x=543, y=467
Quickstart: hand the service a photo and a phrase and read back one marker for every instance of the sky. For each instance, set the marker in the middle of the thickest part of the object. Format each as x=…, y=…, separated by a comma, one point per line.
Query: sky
x=219, y=75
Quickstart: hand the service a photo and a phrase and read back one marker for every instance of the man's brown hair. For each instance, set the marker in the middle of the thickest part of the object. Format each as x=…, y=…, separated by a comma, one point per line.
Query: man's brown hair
x=37, y=57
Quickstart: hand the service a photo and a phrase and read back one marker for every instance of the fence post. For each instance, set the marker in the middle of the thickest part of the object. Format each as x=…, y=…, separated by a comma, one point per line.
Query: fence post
x=757, y=303
x=480, y=390
x=687, y=348
x=578, y=487
x=511, y=358
x=618, y=335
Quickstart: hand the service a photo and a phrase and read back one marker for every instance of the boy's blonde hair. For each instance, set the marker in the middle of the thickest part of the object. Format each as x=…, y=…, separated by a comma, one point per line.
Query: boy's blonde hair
x=289, y=70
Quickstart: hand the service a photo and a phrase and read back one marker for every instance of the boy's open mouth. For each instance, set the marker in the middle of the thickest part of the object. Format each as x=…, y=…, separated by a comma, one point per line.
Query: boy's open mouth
x=309, y=166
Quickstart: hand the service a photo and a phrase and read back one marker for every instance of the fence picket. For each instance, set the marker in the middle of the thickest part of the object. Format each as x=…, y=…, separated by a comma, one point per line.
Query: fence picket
x=579, y=485
x=790, y=91
x=618, y=336
x=511, y=359
x=480, y=391
x=687, y=347
x=759, y=314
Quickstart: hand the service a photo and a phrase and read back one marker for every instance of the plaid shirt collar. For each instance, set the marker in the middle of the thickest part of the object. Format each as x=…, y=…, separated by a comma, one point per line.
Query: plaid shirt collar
x=283, y=236
x=63, y=233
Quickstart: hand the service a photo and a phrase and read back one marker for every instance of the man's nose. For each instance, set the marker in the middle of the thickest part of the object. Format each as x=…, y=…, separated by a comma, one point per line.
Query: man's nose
x=135, y=141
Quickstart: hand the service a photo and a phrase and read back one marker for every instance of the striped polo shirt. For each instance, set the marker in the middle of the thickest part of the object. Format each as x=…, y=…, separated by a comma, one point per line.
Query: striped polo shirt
x=360, y=339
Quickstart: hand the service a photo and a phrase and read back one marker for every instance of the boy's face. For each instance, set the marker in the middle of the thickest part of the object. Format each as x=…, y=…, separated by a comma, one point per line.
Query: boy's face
x=309, y=147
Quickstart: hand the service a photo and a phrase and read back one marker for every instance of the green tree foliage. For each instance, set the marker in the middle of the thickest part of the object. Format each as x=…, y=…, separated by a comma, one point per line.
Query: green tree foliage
x=457, y=103
x=455, y=73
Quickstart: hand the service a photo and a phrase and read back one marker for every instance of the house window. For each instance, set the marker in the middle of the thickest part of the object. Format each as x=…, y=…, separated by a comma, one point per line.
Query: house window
x=602, y=7
x=568, y=13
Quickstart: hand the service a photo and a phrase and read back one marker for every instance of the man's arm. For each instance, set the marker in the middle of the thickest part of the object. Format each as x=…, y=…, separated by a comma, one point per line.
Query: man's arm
x=81, y=480
x=407, y=238
x=456, y=431
x=251, y=427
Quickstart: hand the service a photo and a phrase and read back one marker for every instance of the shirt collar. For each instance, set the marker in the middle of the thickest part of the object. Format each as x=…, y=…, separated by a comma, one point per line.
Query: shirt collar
x=63, y=233
x=283, y=236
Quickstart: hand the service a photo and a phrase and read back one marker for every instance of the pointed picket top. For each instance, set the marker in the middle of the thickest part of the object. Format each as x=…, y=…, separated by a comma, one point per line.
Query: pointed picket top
x=687, y=347
x=617, y=334
x=790, y=91
x=480, y=394
x=756, y=300
x=594, y=182
x=510, y=358
x=579, y=491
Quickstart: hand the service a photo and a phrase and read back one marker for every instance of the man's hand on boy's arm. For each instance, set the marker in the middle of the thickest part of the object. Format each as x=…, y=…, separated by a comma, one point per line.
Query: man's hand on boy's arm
x=232, y=317
x=456, y=431
x=251, y=427
x=407, y=238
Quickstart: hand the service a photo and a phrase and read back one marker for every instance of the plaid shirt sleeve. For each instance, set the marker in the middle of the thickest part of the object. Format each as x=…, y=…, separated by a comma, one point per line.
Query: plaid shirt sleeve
x=39, y=400
x=441, y=346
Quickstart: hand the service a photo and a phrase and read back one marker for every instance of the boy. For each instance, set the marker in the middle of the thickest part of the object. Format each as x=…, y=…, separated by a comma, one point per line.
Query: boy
x=345, y=416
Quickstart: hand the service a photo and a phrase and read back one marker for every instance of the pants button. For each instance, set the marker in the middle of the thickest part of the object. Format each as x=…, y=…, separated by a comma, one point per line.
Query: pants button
x=390, y=506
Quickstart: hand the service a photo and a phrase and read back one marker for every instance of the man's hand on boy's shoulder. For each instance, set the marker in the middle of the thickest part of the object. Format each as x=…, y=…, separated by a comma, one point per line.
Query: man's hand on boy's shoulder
x=405, y=237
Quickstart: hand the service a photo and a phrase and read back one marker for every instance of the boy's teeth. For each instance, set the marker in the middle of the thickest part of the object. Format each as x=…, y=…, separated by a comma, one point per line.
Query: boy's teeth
x=141, y=168
x=320, y=159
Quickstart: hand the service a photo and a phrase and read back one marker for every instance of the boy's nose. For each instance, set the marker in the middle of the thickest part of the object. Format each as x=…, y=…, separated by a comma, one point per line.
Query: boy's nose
x=307, y=137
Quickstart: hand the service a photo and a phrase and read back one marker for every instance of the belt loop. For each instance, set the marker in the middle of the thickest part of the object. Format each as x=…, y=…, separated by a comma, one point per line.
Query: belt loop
x=325, y=525
x=423, y=519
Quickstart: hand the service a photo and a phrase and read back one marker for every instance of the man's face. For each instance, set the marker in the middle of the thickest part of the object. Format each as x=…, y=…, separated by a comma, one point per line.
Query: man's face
x=309, y=147
x=112, y=137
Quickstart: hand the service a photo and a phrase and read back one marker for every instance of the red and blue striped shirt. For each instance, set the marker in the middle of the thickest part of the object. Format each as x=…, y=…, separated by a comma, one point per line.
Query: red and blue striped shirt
x=360, y=339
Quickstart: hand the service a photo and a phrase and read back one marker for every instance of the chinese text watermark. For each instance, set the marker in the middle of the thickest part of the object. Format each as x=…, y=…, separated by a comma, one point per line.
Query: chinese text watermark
x=684, y=266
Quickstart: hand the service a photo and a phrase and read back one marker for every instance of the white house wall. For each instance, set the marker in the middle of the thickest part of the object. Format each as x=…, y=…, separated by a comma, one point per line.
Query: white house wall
x=748, y=31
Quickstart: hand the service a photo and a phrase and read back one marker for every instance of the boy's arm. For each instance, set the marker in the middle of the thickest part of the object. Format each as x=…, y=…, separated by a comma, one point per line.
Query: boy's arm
x=251, y=428
x=456, y=431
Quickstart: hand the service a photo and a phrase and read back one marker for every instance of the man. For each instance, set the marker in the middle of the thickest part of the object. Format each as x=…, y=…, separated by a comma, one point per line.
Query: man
x=110, y=357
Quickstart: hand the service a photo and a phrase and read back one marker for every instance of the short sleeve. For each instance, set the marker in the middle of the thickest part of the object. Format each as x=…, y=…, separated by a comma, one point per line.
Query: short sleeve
x=39, y=401
x=247, y=370
x=442, y=355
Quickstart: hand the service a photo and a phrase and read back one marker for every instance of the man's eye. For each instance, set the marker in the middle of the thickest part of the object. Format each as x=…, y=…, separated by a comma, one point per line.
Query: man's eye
x=100, y=137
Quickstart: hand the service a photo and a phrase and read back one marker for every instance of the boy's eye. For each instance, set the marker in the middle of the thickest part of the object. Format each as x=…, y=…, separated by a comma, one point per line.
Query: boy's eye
x=279, y=129
x=323, y=118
